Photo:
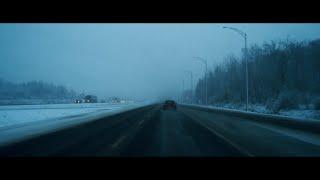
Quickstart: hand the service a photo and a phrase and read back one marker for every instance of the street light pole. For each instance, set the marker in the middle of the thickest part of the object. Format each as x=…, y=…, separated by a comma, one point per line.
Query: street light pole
x=191, y=84
x=246, y=57
x=206, y=79
x=244, y=35
x=191, y=87
x=183, y=91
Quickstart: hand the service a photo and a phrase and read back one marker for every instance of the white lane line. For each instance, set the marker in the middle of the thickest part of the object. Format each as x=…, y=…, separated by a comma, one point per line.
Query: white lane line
x=121, y=139
x=229, y=141
x=298, y=135
x=223, y=137
x=118, y=141
x=140, y=123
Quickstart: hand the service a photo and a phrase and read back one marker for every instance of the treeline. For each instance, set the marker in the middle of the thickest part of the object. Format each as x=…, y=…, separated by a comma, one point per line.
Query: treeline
x=282, y=74
x=34, y=90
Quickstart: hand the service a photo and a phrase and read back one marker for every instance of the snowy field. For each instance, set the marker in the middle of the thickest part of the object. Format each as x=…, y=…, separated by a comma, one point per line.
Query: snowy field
x=19, y=114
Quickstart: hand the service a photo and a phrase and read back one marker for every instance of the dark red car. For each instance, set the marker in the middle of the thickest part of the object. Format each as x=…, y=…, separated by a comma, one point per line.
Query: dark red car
x=169, y=104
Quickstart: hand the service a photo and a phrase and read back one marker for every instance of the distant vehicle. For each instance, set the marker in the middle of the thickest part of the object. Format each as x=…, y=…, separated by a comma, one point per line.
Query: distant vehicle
x=115, y=100
x=169, y=104
x=78, y=101
x=90, y=99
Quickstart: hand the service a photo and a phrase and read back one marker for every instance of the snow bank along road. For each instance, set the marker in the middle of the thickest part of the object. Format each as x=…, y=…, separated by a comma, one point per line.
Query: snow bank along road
x=189, y=131
x=17, y=114
x=24, y=121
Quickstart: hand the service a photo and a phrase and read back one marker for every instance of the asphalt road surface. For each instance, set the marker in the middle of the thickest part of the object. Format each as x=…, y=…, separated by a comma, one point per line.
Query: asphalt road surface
x=174, y=134
x=152, y=132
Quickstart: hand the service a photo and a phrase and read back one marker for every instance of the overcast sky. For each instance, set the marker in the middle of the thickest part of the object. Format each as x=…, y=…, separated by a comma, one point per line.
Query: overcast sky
x=127, y=60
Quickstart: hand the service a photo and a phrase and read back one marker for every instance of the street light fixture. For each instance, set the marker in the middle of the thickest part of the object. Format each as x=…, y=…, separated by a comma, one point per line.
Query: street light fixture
x=206, y=79
x=244, y=35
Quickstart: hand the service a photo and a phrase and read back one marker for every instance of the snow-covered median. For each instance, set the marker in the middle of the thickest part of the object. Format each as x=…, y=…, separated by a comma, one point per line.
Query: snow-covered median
x=20, y=122
x=301, y=113
x=21, y=114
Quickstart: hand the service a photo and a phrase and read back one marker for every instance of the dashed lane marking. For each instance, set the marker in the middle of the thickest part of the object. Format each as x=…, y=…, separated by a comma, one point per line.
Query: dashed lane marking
x=117, y=143
x=227, y=140
x=140, y=123
x=224, y=138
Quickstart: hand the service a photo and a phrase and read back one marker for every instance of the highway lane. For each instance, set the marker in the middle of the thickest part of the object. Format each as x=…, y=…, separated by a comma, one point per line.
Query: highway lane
x=95, y=138
x=174, y=134
x=144, y=132
x=258, y=138
x=152, y=132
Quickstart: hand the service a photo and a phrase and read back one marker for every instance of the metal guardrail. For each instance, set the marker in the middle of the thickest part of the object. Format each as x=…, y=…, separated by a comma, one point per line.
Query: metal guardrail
x=309, y=125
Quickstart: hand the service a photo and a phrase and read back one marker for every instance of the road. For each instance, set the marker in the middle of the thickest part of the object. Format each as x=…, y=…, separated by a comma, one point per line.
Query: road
x=174, y=134
x=153, y=132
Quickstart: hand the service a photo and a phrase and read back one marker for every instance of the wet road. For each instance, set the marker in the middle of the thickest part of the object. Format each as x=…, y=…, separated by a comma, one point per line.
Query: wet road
x=174, y=134
x=143, y=132
x=188, y=132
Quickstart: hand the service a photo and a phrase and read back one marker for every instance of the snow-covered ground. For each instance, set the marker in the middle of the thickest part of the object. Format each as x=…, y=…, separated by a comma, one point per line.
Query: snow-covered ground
x=18, y=114
x=304, y=114
x=301, y=113
x=24, y=121
x=4, y=102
